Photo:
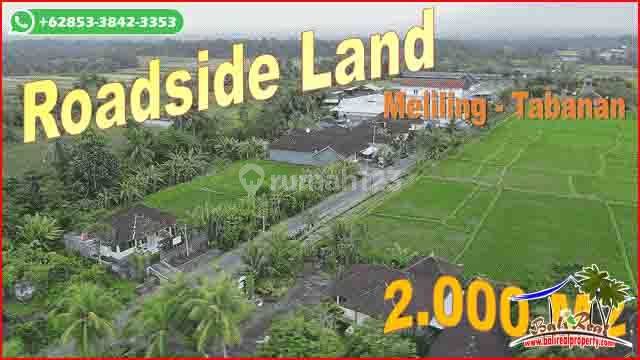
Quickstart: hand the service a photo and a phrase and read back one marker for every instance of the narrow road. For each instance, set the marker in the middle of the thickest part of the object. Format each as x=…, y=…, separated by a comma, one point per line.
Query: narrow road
x=373, y=181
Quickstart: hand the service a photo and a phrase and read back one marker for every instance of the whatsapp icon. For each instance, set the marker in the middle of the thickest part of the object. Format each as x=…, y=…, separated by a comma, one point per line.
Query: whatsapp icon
x=21, y=21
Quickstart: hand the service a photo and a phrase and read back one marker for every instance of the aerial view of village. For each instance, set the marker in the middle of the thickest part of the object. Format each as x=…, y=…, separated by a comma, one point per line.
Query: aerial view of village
x=373, y=217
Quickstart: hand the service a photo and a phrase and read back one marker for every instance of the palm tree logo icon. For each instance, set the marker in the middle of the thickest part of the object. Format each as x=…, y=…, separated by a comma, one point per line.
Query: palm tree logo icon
x=604, y=291
x=605, y=295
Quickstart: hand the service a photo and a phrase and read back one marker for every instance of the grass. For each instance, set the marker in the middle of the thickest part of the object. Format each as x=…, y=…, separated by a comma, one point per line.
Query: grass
x=529, y=195
x=220, y=187
x=19, y=158
x=625, y=71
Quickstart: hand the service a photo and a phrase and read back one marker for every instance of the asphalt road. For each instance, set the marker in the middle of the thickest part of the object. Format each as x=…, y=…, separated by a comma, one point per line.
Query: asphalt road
x=372, y=181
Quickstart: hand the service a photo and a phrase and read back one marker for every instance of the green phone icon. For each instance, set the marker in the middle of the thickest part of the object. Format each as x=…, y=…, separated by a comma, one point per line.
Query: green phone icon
x=21, y=21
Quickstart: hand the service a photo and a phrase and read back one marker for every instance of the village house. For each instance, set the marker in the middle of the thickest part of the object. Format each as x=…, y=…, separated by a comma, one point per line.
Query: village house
x=360, y=291
x=328, y=144
x=321, y=147
x=448, y=84
x=416, y=83
x=465, y=341
x=360, y=294
x=567, y=55
x=143, y=228
x=358, y=108
x=138, y=228
x=615, y=54
x=354, y=97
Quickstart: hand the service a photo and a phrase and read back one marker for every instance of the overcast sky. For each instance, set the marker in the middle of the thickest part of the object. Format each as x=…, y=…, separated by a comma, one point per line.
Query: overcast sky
x=337, y=20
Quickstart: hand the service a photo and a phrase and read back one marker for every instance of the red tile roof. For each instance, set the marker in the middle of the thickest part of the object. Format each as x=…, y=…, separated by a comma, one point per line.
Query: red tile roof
x=434, y=83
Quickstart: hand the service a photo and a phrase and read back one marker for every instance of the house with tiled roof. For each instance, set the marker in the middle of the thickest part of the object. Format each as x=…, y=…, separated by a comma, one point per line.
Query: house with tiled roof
x=140, y=227
x=464, y=341
x=328, y=144
x=321, y=146
x=360, y=291
x=416, y=83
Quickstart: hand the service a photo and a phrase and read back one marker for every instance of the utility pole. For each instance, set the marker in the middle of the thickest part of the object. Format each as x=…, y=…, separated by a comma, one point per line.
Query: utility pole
x=186, y=239
x=133, y=231
x=374, y=132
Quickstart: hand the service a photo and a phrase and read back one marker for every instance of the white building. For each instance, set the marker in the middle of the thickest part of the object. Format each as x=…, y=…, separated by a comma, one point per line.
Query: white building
x=359, y=108
x=416, y=85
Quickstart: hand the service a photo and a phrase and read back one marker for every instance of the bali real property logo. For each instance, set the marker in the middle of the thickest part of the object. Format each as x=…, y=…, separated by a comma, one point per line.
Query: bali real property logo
x=599, y=302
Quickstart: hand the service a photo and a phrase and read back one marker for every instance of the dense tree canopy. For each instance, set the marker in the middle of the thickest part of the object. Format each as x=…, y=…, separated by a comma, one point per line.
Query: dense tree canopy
x=297, y=336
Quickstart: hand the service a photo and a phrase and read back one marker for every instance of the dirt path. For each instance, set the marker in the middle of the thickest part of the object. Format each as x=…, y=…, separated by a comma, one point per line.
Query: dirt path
x=310, y=288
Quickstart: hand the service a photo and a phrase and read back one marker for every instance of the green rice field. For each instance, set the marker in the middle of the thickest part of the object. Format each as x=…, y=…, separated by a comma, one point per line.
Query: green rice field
x=528, y=195
x=212, y=190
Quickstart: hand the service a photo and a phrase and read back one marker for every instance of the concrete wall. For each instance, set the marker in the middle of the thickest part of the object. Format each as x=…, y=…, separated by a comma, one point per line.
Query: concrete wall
x=303, y=158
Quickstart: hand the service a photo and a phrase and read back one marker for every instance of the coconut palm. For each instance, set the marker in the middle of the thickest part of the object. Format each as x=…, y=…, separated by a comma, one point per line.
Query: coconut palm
x=255, y=259
x=85, y=314
x=592, y=280
x=183, y=166
x=245, y=150
x=131, y=190
x=263, y=210
x=106, y=198
x=227, y=147
x=218, y=309
x=138, y=150
x=39, y=230
x=154, y=323
x=345, y=246
x=153, y=176
x=57, y=154
x=612, y=293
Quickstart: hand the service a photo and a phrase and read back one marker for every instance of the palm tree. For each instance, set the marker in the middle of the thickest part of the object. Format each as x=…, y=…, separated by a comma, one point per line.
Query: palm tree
x=398, y=257
x=255, y=259
x=345, y=246
x=154, y=323
x=183, y=166
x=153, y=176
x=39, y=230
x=85, y=313
x=244, y=150
x=106, y=198
x=612, y=293
x=227, y=147
x=257, y=146
x=138, y=150
x=57, y=154
x=263, y=210
x=131, y=190
x=218, y=308
x=592, y=280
